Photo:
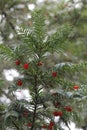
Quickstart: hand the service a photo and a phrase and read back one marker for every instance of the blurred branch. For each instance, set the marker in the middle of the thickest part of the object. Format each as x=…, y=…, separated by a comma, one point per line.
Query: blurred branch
x=10, y=23
x=15, y=125
x=7, y=95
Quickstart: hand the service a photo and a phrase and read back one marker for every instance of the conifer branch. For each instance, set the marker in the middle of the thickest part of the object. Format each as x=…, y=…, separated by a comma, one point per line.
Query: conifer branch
x=15, y=125
x=35, y=106
x=6, y=52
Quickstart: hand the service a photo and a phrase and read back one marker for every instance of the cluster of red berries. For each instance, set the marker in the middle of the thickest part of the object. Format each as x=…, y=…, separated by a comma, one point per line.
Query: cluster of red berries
x=51, y=124
x=19, y=82
x=68, y=108
x=29, y=124
x=57, y=113
x=25, y=66
x=54, y=74
x=60, y=113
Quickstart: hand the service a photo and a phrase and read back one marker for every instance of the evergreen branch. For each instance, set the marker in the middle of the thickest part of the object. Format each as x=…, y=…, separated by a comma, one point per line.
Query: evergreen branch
x=39, y=26
x=70, y=66
x=35, y=106
x=15, y=125
x=6, y=52
x=27, y=37
x=60, y=36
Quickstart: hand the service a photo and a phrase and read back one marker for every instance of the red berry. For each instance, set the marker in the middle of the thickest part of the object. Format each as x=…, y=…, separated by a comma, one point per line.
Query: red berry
x=17, y=62
x=52, y=123
x=68, y=108
x=26, y=66
x=29, y=124
x=76, y=87
x=25, y=114
x=57, y=113
x=19, y=82
x=40, y=63
x=57, y=104
x=54, y=74
x=44, y=126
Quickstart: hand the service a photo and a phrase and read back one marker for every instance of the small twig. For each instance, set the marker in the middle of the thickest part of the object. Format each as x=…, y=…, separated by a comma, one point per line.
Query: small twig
x=15, y=125
x=10, y=23
x=35, y=106
x=12, y=26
